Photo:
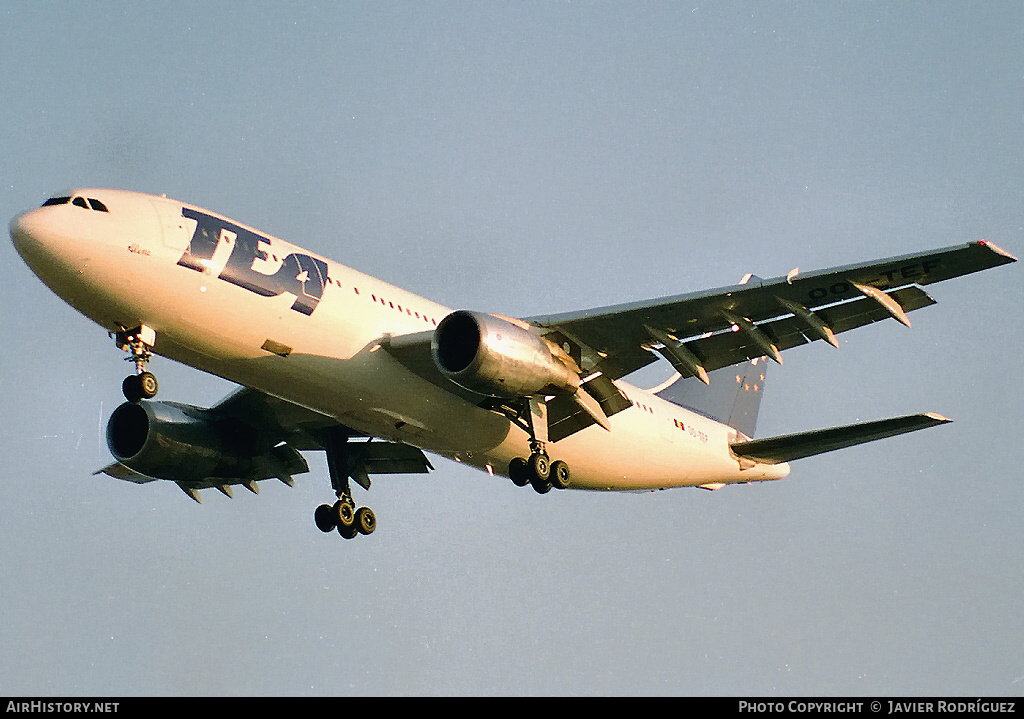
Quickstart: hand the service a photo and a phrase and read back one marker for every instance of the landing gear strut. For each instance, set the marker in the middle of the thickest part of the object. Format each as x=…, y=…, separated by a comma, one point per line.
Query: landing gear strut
x=344, y=463
x=538, y=470
x=138, y=343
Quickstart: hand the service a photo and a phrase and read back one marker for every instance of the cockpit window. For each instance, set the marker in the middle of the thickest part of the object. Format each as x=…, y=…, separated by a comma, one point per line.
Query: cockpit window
x=93, y=203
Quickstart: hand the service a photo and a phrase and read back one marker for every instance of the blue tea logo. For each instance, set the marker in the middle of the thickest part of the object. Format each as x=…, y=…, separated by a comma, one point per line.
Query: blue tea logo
x=299, y=275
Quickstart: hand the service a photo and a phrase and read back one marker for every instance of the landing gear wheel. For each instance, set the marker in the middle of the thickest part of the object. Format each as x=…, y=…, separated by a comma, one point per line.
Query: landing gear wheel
x=518, y=472
x=139, y=386
x=541, y=486
x=540, y=472
x=344, y=514
x=365, y=520
x=131, y=389
x=148, y=385
x=324, y=518
x=559, y=474
x=540, y=466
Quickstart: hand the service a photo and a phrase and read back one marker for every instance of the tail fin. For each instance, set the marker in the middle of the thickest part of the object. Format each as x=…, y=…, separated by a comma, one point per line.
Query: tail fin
x=732, y=396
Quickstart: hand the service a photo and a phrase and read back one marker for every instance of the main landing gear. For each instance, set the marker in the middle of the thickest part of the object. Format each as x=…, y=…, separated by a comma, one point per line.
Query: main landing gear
x=343, y=516
x=344, y=463
x=138, y=343
x=538, y=470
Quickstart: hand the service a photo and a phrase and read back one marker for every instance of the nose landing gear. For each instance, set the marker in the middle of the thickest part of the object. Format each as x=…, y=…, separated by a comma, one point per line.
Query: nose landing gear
x=138, y=343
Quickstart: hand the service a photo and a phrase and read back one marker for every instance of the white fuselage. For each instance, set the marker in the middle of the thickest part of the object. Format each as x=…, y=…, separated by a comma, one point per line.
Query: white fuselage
x=317, y=343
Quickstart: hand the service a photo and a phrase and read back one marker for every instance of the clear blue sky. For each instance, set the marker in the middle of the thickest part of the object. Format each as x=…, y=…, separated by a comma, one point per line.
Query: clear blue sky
x=528, y=158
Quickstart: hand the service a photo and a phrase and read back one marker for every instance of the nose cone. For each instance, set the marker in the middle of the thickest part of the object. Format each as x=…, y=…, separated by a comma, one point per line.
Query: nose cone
x=31, y=233
x=20, y=229
x=45, y=240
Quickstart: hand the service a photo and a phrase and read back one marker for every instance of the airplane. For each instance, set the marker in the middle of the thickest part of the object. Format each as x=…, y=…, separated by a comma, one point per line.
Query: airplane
x=330, y=359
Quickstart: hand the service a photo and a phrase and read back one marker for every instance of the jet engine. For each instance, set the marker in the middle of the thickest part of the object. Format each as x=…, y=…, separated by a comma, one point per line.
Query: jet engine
x=494, y=356
x=183, y=443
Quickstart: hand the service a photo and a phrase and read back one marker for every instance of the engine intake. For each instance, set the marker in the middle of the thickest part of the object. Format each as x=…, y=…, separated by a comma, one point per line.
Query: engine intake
x=493, y=356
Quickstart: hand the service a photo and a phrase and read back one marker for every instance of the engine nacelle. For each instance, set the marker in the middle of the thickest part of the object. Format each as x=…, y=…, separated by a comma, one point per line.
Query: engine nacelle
x=493, y=356
x=183, y=443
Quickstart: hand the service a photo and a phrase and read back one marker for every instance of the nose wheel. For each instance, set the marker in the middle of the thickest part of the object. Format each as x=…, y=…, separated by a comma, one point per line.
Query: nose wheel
x=139, y=386
x=138, y=343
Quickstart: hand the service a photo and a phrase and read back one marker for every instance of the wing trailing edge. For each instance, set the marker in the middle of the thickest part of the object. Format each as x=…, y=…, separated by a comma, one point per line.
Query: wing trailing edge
x=785, y=448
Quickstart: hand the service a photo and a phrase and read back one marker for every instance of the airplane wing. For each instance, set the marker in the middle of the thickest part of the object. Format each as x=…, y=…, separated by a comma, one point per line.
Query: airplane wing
x=703, y=331
x=276, y=419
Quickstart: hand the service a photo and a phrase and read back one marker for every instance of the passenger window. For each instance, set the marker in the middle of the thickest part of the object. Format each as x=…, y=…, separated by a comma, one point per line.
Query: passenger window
x=97, y=205
x=79, y=202
x=57, y=201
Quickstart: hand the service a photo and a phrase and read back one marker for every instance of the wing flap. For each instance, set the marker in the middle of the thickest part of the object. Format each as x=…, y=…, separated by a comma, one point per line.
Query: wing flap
x=785, y=448
x=850, y=315
x=733, y=347
x=566, y=417
x=392, y=458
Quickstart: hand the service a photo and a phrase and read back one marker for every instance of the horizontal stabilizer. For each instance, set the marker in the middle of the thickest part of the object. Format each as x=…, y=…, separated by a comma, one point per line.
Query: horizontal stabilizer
x=775, y=450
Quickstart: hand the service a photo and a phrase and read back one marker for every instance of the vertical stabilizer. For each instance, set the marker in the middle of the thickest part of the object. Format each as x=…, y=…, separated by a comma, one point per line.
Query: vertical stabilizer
x=732, y=396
